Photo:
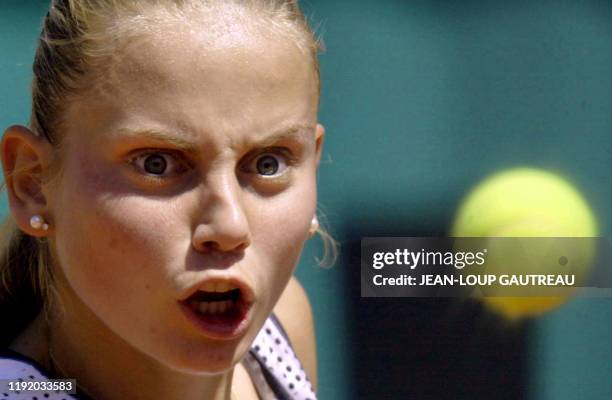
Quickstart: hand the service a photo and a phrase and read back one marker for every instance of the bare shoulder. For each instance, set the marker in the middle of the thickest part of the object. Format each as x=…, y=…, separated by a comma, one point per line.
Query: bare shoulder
x=295, y=314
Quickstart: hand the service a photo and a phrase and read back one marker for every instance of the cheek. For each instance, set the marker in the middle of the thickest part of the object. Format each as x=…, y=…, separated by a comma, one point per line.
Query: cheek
x=112, y=245
x=98, y=250
x=282, y=227
x=287, y=216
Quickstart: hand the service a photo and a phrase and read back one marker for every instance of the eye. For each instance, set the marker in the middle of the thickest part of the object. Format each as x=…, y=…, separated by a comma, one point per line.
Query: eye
x=270, y=163
x=155, y=163
x=267, y=165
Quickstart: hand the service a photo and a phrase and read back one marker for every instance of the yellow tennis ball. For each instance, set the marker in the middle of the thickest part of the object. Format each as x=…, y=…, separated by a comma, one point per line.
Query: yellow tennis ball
x=527, y=202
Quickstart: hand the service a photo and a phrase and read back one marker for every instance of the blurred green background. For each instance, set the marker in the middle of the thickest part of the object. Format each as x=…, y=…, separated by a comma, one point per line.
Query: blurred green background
x=421, y=100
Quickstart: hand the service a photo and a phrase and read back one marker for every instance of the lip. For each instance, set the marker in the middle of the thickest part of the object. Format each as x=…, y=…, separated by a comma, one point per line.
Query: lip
x=216, y=326
x=245, y=290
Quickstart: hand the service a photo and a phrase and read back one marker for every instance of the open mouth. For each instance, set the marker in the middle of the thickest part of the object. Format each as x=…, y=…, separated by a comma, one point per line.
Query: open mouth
x=218, y=308
x=220, y=303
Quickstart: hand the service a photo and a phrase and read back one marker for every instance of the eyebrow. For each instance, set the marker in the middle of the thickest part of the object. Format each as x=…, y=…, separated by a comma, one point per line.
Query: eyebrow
x=293, y=132
x=297, y=132
x=158, y=135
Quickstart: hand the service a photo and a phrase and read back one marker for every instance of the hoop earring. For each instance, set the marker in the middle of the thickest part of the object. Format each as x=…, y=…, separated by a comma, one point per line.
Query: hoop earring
x=37, y=222
x=314, y=226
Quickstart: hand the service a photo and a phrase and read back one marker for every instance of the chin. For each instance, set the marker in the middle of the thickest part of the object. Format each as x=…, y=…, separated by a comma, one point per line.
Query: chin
x=205, y=370
x=203, y=360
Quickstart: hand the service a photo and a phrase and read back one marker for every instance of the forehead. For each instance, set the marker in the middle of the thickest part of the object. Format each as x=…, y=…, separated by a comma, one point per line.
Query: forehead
x=206, y=51
x=239, y=79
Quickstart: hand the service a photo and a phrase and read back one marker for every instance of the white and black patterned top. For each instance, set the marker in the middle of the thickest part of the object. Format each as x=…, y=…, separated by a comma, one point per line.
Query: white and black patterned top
x=272, y=364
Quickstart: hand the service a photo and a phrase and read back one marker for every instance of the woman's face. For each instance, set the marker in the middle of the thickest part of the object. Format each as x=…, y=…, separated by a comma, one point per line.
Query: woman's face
x=195, y=159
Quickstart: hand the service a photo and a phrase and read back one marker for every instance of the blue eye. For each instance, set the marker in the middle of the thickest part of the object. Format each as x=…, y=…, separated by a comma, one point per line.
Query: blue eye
x=157, y=163
x=270, y=164
x=267, y=165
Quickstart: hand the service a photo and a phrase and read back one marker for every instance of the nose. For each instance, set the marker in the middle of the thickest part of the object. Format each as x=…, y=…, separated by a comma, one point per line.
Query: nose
x=225, y=226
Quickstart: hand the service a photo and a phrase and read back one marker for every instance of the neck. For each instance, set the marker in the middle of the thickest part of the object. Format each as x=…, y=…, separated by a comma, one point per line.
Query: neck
x=93, y=355
x=106, y=367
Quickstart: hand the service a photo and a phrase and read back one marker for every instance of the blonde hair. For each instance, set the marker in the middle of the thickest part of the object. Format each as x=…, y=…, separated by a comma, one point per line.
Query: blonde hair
x=75, y=52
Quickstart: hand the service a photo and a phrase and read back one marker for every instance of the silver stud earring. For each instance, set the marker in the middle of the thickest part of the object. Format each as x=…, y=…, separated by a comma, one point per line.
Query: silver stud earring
x=37, y=222
x=314, y=226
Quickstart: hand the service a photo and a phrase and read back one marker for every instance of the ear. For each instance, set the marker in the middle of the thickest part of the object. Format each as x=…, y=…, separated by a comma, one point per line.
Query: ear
x=319, y=139
x=24, y=158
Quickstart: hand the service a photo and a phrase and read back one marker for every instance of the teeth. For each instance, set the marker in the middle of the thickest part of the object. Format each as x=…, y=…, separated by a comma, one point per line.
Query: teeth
x=218, y=287
x=213, y=307
x=203, y=307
